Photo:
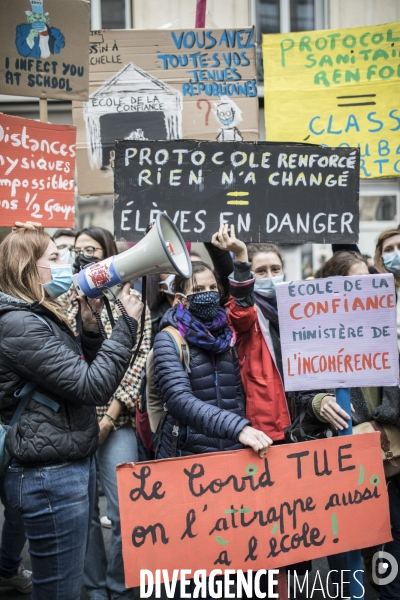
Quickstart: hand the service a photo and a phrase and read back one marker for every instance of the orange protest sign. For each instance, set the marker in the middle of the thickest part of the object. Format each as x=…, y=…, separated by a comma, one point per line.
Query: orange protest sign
x=37, y=164
x=234, y=510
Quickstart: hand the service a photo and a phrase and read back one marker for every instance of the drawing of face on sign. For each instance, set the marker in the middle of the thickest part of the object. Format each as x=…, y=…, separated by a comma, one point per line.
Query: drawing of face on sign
x=229, y=115
x=36, y=38
x=132, y=105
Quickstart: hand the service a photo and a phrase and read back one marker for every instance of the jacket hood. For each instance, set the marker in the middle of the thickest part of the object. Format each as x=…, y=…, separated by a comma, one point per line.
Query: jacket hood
x=169, y=318
x=8, y=303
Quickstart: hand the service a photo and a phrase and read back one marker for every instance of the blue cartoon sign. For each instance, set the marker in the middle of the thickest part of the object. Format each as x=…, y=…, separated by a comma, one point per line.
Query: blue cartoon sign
x=44, y=48
x=36, y=38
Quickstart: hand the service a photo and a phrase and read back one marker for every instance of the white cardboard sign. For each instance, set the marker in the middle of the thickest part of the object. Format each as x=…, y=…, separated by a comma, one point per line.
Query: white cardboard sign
x=339, y=332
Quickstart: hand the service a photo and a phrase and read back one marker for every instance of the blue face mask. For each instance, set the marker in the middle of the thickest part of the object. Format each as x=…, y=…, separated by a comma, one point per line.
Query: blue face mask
x=392, y=262
x=61, y=280
x=267, y=287
x=204, y=305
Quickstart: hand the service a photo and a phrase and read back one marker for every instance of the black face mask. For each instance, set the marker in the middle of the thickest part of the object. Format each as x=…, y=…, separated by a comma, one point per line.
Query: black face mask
x=83, y=261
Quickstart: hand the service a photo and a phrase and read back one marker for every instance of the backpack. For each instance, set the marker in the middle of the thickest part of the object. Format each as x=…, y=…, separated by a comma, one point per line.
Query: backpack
x=151, y=412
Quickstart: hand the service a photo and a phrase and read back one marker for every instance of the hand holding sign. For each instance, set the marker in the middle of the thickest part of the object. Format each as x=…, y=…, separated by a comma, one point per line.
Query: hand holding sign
x=256, y=439
x=331, y=411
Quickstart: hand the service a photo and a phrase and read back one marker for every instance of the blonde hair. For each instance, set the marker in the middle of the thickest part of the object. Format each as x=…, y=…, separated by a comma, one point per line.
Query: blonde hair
x=19, y=275
x=378, y=260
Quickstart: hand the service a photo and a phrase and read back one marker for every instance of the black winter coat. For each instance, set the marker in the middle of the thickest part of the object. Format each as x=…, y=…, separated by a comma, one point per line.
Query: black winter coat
x=30, y=351
x=206, y=404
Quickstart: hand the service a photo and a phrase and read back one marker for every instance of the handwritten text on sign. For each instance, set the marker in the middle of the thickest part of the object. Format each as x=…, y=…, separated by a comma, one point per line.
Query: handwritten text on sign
x=270, y=192
x=347, y=88
x=339, y=332
x=237, y=511
x=37, y=163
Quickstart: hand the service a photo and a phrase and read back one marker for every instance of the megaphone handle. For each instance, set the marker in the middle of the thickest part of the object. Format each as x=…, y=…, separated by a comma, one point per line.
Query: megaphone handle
x=142, y=319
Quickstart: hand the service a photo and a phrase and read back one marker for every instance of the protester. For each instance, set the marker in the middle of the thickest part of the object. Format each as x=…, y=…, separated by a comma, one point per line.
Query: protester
x=380, y=404
x=253, y=314
x=105, y=578
x=387, y=254
x=205, y=404
x=64, y=239
x=51, y=476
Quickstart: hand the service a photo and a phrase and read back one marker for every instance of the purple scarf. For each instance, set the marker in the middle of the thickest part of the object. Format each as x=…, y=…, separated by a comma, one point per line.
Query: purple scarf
x=216, y=337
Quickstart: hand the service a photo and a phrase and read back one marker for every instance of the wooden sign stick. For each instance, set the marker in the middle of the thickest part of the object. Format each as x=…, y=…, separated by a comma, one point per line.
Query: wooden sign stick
x=354, y=562
x=43, y=115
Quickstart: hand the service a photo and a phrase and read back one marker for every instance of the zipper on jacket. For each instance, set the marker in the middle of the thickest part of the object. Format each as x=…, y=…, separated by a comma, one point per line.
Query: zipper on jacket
x=216, y=381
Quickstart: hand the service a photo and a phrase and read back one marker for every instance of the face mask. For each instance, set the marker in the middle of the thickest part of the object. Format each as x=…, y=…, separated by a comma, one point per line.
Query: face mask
x=39, y=25
x=83, y=261
x=66, y=256
x=267, y=287
x=392, y=262
x=61, y=280
x=204, y=305
x=227, y=121
x=169, y=283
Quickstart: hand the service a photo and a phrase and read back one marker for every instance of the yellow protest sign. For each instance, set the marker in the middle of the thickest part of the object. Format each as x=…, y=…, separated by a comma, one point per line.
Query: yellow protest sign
x=339, y=88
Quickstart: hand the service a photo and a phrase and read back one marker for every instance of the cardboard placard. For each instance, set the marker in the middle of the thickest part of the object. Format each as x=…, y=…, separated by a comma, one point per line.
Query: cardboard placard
x=339, y=332
x=234, y=510
x=270, y=192
x=163, y=85
x=44, y=48
x=340, y=88
x=37, y=165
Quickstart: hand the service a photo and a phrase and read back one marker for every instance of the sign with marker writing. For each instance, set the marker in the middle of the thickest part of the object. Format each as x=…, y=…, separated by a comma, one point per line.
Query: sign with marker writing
x=37, y=164
x=234, y=510
x=347, y=87
x=270, y=192
x=339, y=332
x=44, y=48
x=164, y=85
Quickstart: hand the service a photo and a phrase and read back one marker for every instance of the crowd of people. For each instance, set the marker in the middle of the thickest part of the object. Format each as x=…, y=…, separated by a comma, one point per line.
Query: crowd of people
x=216, y=370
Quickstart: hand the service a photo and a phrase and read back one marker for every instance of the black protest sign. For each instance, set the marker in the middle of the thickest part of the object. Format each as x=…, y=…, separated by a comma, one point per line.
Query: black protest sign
x=283, y=193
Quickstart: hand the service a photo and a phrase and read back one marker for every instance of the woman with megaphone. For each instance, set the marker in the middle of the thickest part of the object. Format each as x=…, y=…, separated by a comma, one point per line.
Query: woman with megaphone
x=57, y=381
x=104, y=577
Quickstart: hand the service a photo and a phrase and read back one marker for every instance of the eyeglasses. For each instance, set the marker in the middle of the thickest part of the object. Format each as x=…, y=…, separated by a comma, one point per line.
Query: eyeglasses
x=88, y=251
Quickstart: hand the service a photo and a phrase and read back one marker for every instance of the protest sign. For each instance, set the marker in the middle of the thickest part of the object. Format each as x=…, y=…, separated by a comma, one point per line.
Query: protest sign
x=44, y=48
x=234, y=510
x=270, y=192
x=37, y=163
x=338, y=87
x=339, y=332
x=163, y=85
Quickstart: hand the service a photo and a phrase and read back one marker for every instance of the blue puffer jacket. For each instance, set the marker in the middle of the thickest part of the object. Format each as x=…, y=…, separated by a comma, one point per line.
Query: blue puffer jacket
x=207, y=403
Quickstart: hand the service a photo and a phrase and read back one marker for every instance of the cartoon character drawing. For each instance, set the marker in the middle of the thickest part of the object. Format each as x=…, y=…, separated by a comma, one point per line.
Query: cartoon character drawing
x=229, y=115
x=35, y=38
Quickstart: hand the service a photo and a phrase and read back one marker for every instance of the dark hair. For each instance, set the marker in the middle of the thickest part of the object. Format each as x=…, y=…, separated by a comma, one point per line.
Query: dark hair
x=254, y=249
x=181, y=284
x=341, y=262
x=60, y=232
x=102, y=237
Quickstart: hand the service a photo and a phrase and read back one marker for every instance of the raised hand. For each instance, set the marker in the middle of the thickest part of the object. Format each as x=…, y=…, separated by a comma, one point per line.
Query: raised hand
x=226, y=240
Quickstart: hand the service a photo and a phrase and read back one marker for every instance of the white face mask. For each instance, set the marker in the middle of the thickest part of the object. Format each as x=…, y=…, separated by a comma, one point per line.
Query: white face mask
x=66, y=256
x=267, y=286
x=169, y=283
